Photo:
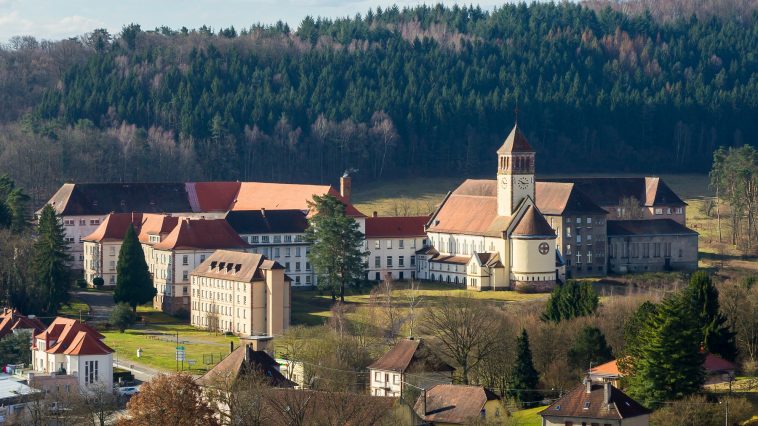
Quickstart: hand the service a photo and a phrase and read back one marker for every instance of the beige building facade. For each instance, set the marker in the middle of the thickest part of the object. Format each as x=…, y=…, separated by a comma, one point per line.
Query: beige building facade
x=243, y=293
x=651, y=246
x=392, y=242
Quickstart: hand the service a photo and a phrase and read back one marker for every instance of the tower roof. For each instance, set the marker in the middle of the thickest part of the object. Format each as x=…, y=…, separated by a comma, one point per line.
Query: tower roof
x=533, y=224
x=515, y=142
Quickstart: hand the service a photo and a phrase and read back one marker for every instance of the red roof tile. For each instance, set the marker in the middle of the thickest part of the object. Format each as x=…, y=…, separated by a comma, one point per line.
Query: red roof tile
x=85, y=343
x=202, y=234
x=398, y=226
x=114, y=227
x=532, y=224
x=457, y=404
x=62, y=333
x=156, y=224
x=11, y=319
x=213, y=196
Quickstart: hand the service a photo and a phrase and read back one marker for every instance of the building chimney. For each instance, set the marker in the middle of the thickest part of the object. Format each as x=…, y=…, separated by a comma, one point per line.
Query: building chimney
x=263, y=212
x=607, y=392
x=588, y=384
x=346, y=187
x=375, y=214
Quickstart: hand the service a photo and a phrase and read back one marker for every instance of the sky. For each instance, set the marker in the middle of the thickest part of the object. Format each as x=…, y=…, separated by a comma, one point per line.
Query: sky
x=57, y=19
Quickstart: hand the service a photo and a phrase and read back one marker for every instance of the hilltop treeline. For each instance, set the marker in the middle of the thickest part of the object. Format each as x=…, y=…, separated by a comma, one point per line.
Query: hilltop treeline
x=395, y=92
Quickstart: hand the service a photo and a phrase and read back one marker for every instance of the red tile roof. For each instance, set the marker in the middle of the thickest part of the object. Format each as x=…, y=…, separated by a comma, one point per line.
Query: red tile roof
x=202, y=234
x=457, y=404
x=114, y=227
x=156, y=224
x=65, y=337
x=715, y=364
x=11, y=319
x=533, y=224
x=212, y=196
x=592, y=405
x=395, y=226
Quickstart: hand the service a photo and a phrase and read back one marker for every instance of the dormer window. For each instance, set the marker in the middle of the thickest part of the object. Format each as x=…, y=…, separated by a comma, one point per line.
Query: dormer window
x=586, y=405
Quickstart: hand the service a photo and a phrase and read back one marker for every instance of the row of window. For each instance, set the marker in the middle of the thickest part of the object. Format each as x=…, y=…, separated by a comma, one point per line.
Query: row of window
x=390, y=263
x=276, y=239
x=388, y=244
x=642, y=250
x=82, y=222
x=659, y=210
x=204, y=321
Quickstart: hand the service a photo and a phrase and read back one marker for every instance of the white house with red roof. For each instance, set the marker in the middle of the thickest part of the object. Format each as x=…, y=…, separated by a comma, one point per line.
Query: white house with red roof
x=13, y=322
x=392, y=243
x=70, y=347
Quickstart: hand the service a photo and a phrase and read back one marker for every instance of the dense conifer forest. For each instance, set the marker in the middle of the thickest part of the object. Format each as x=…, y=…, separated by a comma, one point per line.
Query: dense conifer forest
x=395, y=92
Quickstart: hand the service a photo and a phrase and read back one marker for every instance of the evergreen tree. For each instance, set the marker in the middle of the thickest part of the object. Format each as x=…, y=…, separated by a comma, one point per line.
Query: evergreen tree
x=570, y=300
x=18, y=203
x=134, y=285
x=668, y=363
x=52, y=273
x=524, y=377
x=717, y=338
x=589, y=348
x=336, y=243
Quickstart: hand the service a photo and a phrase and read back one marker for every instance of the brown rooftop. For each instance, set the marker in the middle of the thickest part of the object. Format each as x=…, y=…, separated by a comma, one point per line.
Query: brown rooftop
x=235, y=266
x=470, y=209
x=245, y=360
x=642, y=227
x=515, y=142
x=603, y=401
x=533, y=224
x=559, y=198
x=202, y=234
x=412, y=355
x=457, y=404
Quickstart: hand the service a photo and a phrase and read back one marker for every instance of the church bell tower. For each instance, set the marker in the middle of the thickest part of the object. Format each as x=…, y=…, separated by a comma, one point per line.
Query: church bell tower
x=515, y=172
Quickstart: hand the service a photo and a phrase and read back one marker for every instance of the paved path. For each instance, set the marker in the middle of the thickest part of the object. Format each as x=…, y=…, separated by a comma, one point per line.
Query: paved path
x=141, y=372
x=100, y=303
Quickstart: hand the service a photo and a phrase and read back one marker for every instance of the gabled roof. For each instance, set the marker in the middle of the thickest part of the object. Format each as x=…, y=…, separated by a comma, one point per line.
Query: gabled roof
x=410, y=355
x=608, y=191
x=559, y=198
x=114, y=227
x=712, y=364
x=11, y=319
x=202, y=234
x=242, y=361
x=470, y=209
x=647, y=227
x=592, y=405
x=395, y=226
x=103, y=198
x=72, y=337
x=85, y=343
x=235, y=266
x=533, y=224
x=284, y=196
x=457, y=404
x=268, y=221
x=515, y=142
x=156, y=224
x=211, y=196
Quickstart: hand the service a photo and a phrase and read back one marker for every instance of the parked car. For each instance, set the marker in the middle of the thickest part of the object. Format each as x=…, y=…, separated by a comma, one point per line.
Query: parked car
x=128, y=391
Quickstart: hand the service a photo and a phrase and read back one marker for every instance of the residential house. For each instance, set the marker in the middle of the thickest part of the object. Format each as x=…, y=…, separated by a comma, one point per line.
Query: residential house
x=631, y=197
x=580, y=225
x=499, y=218
x=243, y=293
x=445, y=404
x=599, y=404
x=392, y=243
x=188, y=245
x=71, y=347
x=717, y=370
x=242, y=361
x=409, y=361
x=12, y=322
x=651, y=245
x=15, y=399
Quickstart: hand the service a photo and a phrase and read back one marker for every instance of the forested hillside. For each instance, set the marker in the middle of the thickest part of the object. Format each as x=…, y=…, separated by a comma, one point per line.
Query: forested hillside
x=397, y=92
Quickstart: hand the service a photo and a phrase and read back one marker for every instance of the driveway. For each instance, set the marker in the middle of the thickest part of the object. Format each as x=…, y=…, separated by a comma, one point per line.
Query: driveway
x=100, y=303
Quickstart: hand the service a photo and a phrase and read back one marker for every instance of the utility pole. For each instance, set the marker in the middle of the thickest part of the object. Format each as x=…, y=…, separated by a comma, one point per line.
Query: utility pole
x=177, y=351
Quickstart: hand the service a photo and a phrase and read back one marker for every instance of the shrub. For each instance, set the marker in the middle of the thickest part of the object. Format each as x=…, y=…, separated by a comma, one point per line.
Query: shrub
x=81, y=283
x=98, y=282
x=123, y=316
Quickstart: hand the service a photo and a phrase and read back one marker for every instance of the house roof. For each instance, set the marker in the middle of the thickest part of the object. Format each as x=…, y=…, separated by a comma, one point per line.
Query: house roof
x=559, y=198
x=284, y=196
x=412, y=355
x=211, y=196
x=114, y=227
x=457, y=404
x=395, y=226
x=102, y=198
x=202, y=234
x=243, y=360
x=459, y=260
x=65, y=337
x=235, y=266
x=268, y=221
x=608, y=191
x=532, y=224
x=12, y=319
x=592, y=405
x=156, y=224
x=609, y=368
x=470, y=209
x=712, y=364
x=515, y=142
x=642, y=227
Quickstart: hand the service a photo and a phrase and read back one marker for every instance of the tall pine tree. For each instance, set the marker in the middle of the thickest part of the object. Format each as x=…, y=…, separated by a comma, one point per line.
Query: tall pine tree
x=570, y=300
x=52, y=273
x=336, y=246
x=667, y=363
x=589, y=347
x=716, y=337
x=134, y=285
x=524, y=377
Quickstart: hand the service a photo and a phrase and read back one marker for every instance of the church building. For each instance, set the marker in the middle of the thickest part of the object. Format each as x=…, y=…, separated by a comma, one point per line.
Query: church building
x=490, y=235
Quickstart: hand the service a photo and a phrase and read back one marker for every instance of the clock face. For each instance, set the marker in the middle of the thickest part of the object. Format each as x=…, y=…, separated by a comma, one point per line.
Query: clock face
x=543, y=248
x=504, y=181
x=523, y=182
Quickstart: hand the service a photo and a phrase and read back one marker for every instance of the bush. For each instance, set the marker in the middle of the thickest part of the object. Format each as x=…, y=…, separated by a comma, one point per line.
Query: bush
x=81, y=283
x=123, y=316
x=98, y=282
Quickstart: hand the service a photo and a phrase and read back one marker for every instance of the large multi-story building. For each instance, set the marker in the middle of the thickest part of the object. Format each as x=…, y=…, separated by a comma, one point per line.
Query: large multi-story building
x=651, y=246
x=243, y=293
x=392, y=243
x=70, y=347
x=102, y=247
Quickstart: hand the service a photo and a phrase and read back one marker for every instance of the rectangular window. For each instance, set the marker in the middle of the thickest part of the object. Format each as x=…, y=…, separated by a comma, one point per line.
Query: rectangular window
x=94, y=222
x=82, y=222
x=679, y=210
x=287, y=266
x=185, y=260
x=658, y=210
x=389, y=244
x=568, y=231
x=185, y=275
x=288, y=238
x=413, y=260
x=276, y=251
x=377, y=262
x=401, y=244
x=389, y=261
x=297, y=266
x=589, y=237
x=579, y=220
x=254, y=239
x=287, y=252
x=377, y=245
x=578, y=258
x=68, y=222
x=307, y=279
x=578, y=239
x=202, y=258
x=277, y=239
x=568, y=249
x=589, y=221
x=297, y=251
x=307, y=266
x=265, y=239
x=91, y=372
x=401, y=261
x=668, y=210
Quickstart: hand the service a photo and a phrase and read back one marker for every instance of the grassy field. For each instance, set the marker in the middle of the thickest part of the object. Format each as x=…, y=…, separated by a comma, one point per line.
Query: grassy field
x=529, y=417
x=75, y=308
x=158, y=342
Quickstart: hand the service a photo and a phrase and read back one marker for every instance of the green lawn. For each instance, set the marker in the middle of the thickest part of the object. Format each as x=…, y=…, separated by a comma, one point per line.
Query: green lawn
x=75, y=308
x=529, y=417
